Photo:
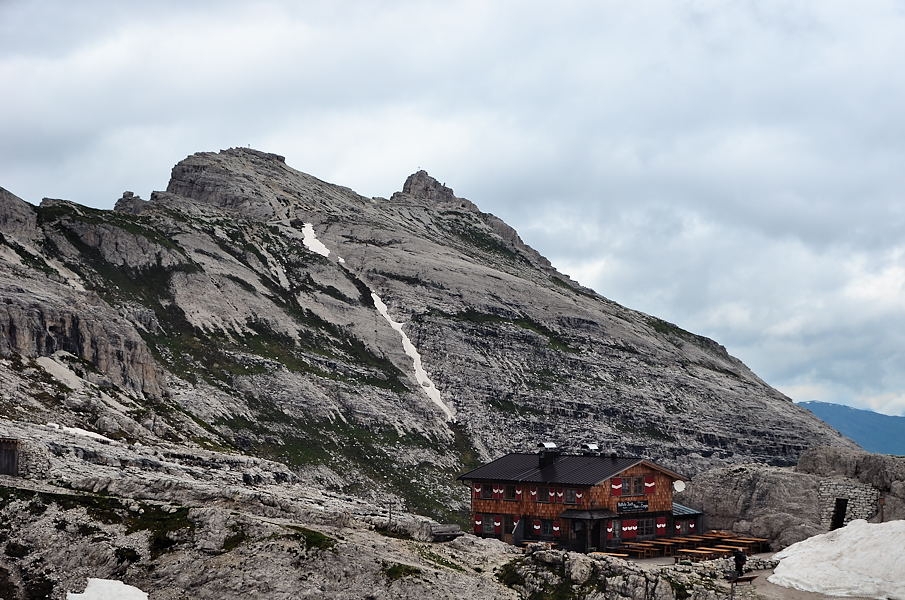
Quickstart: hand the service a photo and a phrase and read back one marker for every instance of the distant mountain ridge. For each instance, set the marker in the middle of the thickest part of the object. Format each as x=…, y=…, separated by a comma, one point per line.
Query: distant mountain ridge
x=872, y=431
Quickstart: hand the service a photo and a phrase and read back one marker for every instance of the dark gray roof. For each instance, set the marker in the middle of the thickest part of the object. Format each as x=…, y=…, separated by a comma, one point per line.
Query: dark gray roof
x=679, y=510
x=567, y=469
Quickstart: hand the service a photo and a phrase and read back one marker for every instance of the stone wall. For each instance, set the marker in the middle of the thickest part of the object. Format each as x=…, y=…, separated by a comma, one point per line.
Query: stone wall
x=863, y=500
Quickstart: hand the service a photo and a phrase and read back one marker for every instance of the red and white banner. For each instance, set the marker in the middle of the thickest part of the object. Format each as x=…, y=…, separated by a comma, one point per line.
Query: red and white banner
x=661, y=525
x=629, y=529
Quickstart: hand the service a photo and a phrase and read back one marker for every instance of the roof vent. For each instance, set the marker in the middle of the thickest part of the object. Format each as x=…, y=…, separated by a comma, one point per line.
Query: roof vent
x=547, y=446
x=590, y=449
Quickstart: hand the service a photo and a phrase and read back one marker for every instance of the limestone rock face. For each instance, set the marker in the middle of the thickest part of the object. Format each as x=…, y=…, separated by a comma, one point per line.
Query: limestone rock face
x=382, y=345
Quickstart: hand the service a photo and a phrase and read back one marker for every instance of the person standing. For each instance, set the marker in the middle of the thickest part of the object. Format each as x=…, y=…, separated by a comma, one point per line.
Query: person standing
x=740, y=560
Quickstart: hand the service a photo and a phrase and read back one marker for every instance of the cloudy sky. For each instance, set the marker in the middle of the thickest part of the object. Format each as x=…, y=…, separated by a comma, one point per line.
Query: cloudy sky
x=737, y=168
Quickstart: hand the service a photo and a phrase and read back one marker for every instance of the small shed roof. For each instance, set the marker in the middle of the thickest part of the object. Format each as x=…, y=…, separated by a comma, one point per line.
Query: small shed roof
x=680, y=510
x=566, y=469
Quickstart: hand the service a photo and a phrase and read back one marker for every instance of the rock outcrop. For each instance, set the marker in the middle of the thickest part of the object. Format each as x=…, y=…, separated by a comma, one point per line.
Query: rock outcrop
x=787, y=505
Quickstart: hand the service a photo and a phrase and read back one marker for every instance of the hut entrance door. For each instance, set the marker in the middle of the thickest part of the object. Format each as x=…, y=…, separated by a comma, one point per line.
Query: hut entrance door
x=839, y=513
x=9, y=456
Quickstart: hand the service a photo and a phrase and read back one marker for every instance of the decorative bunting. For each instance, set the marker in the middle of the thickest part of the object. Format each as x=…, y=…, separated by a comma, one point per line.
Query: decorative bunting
x=661, y=526
x=629, y=529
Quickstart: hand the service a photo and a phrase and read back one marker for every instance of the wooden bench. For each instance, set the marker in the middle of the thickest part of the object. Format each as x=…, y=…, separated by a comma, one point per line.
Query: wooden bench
x=744, y=579
x=616, y=554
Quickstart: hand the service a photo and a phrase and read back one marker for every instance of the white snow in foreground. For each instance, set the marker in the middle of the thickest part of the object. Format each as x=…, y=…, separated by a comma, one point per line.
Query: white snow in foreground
x=79, y=431
x=860, y=559
x=427, y=386
x=108, y=589
x=311, y=242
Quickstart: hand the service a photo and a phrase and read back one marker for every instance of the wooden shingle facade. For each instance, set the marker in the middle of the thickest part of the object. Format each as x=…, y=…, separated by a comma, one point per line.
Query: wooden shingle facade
x=582, y=502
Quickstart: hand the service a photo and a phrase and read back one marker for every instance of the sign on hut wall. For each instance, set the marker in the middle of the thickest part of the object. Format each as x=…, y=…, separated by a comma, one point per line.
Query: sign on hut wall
x=631, y=506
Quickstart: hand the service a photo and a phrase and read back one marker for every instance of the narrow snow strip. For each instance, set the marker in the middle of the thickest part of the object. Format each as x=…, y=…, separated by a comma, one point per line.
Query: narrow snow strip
x=311, y=242
x=79, y=431
x=108, y=589
x=861, y=559
x=427, y=386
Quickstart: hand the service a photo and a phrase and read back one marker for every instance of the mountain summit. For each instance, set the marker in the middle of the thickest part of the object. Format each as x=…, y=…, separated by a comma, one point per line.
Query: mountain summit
x=376, y=346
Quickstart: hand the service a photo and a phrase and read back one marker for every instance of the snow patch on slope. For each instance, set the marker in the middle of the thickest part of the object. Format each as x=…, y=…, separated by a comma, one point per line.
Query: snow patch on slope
x=108, y=589
x=311, y=242
x=861, y=559
x=427, y=386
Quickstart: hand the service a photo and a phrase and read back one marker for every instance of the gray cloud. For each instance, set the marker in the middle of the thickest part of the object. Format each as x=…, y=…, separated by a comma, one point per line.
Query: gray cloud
x=736, y=171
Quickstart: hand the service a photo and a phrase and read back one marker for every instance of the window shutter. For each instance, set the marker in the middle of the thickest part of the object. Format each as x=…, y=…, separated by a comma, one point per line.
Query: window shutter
x=536, y=526
x=560, y=495
x=579, y=497
x=678, y=526
x=650, y=484
x=691, y=526
x=610, y=533
x=477, y=491
x=551, y=493
x=661, y=525
x=616, y=486
x=498, y=524
x=533, y=493
x=556, y=530
x=518, y=492
x=478, y=524
x=629, y=528
x=497, y=492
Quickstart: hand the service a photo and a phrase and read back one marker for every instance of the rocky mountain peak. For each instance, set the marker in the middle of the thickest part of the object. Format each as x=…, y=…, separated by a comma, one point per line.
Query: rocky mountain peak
x=423, y=186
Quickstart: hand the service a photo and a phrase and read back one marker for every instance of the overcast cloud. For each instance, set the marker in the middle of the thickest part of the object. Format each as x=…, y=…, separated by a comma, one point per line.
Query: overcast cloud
x=736, y=168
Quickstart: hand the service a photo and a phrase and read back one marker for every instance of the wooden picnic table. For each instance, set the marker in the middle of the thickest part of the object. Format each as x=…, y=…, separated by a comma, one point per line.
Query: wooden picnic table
x=668, y=546
x=694, y=554
x=717, y=551
x=642, y=549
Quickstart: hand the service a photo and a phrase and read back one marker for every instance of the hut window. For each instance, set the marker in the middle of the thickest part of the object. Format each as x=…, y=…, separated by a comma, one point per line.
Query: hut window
x=510, y=492
x=508, y=524
x=543, y=494
x=488, y=523
x=633, y=486
x=487, y=491
x=646, y=527
x=546, y=527
x=570, y=497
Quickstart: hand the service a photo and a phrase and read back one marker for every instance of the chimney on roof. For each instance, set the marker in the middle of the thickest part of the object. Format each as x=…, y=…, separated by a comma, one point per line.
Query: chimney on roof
x=547, y=455
x=590, y=449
